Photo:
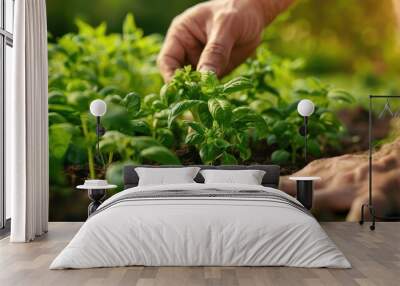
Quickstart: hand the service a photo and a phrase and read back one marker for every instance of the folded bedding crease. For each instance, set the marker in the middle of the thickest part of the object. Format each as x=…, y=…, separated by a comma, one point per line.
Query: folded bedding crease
x=201, y=225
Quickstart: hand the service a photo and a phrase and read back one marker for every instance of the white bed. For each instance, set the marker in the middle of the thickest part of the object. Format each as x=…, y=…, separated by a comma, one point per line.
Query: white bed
x=202, y=231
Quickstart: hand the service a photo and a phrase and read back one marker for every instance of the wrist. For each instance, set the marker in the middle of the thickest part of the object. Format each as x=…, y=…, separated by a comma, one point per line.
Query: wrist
x=270, y=9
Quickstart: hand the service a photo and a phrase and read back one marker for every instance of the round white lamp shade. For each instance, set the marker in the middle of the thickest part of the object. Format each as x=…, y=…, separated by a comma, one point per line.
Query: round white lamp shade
x=305, y=107
x=98, y=107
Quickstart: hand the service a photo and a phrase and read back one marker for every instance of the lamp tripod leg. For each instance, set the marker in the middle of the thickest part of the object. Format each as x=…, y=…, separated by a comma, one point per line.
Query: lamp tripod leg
x=372, y=212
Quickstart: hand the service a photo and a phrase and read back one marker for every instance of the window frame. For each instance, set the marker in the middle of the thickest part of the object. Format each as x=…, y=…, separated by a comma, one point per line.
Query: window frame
x=6, y=39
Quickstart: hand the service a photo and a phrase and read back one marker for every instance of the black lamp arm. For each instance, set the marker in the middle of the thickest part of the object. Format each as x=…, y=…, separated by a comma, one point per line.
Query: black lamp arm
x=100, y=131
x=303, y=132
x=305, y=138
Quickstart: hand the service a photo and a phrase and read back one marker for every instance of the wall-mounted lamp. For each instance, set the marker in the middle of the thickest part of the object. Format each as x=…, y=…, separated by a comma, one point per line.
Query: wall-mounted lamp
x=98, y=108
x=305, y=108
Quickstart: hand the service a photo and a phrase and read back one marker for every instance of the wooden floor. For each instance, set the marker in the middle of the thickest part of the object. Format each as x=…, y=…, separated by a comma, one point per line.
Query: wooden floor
x=375, y=257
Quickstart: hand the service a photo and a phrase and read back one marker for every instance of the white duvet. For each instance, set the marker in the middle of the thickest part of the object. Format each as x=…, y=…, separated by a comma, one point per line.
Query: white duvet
x=200, y=231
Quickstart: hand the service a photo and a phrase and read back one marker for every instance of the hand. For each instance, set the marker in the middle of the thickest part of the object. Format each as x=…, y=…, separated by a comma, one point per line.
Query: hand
x=344, y=184
x=216, y=35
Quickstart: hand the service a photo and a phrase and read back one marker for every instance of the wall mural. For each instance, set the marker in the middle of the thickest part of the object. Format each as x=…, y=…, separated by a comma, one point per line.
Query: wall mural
x=247, y=117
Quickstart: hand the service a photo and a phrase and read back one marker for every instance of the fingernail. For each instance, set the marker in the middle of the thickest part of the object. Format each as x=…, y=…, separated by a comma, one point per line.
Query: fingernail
x=206, y=68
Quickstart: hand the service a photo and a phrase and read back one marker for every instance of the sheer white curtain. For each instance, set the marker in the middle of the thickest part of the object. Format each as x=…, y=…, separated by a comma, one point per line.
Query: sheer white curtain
x=26, y=124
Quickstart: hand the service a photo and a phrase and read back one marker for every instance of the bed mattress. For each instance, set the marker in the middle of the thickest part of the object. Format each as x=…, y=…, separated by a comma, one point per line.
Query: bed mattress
x=201, y=225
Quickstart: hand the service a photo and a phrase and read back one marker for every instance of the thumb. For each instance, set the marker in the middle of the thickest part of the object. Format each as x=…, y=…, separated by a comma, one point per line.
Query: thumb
x=216, y=54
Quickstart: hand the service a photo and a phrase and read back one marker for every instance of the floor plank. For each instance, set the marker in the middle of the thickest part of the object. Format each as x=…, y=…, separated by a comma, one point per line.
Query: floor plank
x=375, y=257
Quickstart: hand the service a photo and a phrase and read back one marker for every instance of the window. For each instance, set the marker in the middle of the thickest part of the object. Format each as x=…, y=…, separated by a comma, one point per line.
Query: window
x=6, y=60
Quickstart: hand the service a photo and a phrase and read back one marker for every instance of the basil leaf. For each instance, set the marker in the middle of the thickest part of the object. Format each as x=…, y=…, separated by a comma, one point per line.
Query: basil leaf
x=180, y=108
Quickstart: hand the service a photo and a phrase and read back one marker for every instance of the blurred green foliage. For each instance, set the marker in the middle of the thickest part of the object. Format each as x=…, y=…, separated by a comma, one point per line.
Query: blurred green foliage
x=350, y=43
x=153, y=16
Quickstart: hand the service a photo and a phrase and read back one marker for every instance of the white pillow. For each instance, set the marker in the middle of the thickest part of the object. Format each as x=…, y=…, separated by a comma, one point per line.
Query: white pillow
x=248, y=177
x=166, y=176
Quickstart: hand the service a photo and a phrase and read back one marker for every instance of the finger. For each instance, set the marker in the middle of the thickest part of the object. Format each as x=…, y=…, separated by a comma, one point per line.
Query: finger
x=171, y=57
x=240, y=54
x=174, y=51
x=196, y=37
x=183, y=45
x=193, y=54
x=216, y=54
